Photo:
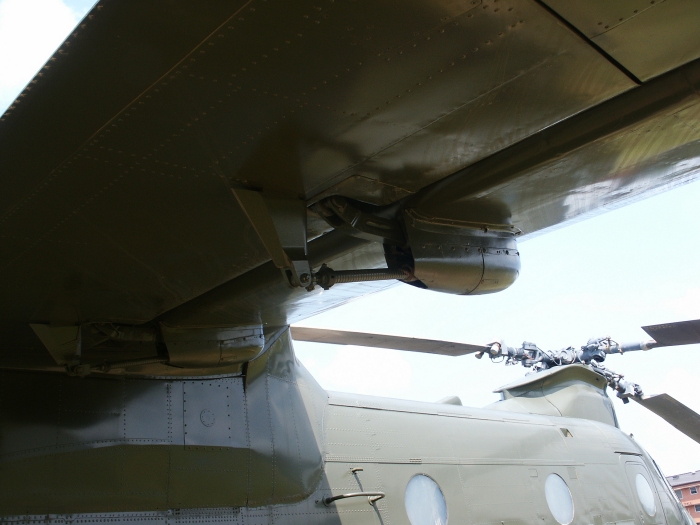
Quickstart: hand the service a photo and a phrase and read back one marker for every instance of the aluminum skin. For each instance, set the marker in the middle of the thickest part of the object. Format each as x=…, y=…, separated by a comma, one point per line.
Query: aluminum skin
x=121, y=161
x=269, y=445
x=120, y=156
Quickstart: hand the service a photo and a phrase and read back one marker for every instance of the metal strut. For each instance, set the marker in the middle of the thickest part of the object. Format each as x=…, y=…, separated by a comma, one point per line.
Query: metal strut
x=327, y=277
x=280, y=223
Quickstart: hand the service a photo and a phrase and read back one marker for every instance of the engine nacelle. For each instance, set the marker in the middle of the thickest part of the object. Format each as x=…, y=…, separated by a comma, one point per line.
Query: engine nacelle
x=464, y=258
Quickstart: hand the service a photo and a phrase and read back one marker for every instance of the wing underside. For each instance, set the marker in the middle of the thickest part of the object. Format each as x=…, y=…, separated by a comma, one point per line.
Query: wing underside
x=120, y=157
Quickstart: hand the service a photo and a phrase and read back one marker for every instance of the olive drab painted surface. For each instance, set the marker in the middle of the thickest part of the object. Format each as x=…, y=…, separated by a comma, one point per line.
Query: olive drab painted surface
x=133, y=444
x=575, y=391
x=643, y=494
x=503, y=114
x=183, y=180
x=269, y=445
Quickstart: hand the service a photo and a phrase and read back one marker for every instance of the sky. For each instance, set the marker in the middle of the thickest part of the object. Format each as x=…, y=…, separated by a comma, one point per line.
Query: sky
x=608, y=275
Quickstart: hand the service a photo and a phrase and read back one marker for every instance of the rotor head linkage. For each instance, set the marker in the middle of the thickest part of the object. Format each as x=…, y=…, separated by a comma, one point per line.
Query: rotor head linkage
x=625, y=389
x=593, y=352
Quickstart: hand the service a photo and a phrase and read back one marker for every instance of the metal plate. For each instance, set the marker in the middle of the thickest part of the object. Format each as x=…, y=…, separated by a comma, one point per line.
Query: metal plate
x=72, y=413
x=214, y=413
x=485, y=80
x=648, y=37
x=115, y=201
x=126, y=190
x=641, y=142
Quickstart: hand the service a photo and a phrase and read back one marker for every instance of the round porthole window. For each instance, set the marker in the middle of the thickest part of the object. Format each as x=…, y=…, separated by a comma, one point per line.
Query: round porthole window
x=559, y=500
x=645, y=494
x=425, y=504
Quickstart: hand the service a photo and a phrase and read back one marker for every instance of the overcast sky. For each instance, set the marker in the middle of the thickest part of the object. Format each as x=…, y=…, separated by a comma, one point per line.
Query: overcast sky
x=606, y=276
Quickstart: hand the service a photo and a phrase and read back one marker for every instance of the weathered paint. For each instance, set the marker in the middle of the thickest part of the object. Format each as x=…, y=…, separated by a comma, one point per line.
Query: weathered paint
x=268, y=445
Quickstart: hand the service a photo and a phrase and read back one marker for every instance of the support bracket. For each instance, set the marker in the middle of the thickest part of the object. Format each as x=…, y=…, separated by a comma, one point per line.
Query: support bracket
x=62, y=342
x=280, y=223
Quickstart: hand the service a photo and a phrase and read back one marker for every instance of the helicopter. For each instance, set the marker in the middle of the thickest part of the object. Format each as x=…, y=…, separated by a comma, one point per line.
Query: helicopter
x=182, y=181
x=529, y=355
x=270, y=445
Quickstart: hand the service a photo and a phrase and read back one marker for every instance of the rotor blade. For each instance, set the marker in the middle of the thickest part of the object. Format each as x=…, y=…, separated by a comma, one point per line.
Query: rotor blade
x=392, y=342
x=674, y=412
x=673, y=334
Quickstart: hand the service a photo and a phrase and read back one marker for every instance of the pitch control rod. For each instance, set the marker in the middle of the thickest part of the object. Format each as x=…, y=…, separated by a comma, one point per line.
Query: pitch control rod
x=625, y=389
x=326, y=277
